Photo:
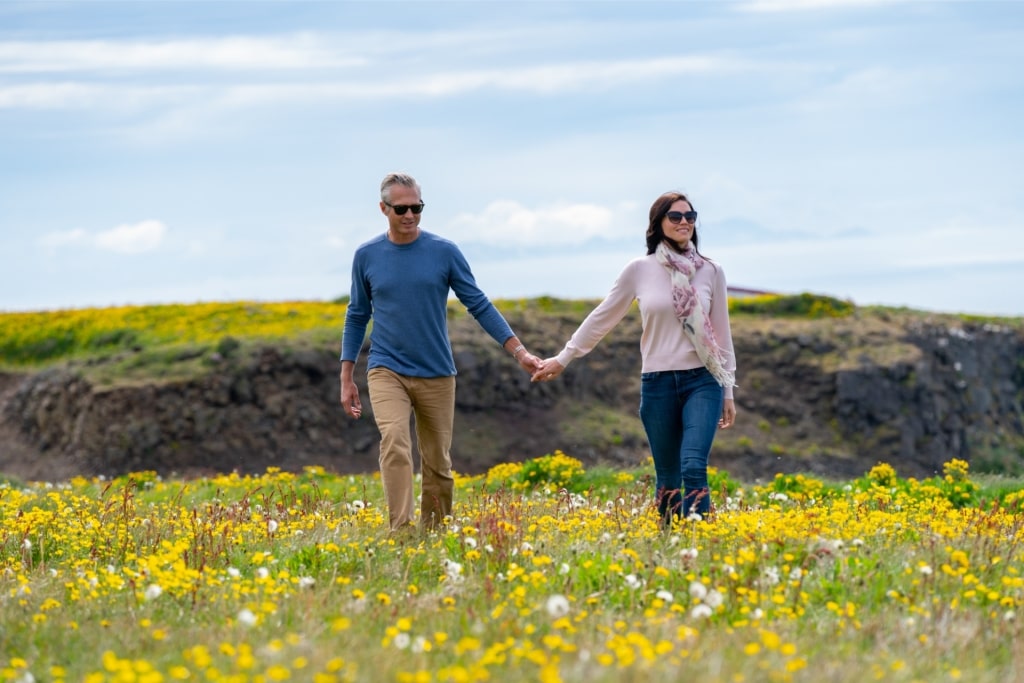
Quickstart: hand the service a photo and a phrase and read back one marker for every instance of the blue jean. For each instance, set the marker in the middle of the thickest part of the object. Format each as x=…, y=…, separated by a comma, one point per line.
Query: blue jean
x=680, y=410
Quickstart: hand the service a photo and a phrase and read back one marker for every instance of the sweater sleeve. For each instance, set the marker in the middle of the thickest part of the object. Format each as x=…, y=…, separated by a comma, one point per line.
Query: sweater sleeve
x=357, y=316
x=719, y=317
x=602, y=319
x=464, y=285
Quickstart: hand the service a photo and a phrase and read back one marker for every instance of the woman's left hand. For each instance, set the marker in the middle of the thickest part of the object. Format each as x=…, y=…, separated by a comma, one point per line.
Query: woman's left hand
x=728, y=414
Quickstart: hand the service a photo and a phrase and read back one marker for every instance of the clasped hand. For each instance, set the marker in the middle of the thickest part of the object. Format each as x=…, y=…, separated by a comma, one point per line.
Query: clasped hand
x=529, y=362
x=547, y=370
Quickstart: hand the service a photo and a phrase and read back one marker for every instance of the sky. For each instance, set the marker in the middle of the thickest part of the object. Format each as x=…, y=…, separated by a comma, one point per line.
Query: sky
x=185, y=151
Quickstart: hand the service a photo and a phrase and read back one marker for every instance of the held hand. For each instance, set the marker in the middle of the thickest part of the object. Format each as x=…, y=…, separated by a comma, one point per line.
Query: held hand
x=529, y=362
x=547, y=370
x=350, y=399
x=728, y=414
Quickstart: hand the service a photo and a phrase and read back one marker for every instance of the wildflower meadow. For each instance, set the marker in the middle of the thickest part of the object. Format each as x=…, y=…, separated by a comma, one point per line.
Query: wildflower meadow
x=546, y=572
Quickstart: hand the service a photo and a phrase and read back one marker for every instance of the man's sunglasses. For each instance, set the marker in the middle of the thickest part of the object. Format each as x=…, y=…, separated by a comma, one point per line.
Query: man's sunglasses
x=400, y=209
x=676, y=217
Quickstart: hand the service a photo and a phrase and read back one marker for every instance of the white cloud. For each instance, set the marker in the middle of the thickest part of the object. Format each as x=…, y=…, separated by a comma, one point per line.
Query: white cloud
x=509, y=223
x=575, y=76
x=555, y=78
x=231, y=53
x=129, y=238
x=132, y=238
x=71, y=95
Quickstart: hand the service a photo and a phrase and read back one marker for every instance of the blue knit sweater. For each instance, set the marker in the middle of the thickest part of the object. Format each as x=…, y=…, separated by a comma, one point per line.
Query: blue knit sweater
x=404, y=289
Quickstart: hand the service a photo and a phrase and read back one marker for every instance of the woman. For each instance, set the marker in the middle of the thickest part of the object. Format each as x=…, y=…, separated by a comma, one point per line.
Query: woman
x=688, y=361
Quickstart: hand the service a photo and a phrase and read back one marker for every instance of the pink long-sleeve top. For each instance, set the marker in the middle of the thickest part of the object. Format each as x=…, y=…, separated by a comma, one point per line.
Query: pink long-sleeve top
x=663, y=345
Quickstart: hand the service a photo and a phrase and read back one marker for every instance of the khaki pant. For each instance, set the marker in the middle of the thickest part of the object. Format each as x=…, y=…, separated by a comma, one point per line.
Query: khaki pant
x=394, y=399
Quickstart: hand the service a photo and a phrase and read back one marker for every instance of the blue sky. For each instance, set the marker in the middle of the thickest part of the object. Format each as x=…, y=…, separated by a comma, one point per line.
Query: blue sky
x=202, y=151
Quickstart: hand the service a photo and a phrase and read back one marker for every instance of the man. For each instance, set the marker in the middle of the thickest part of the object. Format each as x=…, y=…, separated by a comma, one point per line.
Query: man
x=401, y=280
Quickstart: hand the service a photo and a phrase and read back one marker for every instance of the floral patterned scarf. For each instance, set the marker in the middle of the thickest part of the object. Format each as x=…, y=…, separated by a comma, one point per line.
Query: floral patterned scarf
x=690, y=312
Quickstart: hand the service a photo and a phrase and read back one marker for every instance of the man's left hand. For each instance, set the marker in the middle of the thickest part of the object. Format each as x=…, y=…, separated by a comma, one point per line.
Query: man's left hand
x=529, y=362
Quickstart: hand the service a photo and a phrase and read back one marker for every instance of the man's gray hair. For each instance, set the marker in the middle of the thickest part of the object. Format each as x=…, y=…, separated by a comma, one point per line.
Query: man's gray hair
x=397, y=179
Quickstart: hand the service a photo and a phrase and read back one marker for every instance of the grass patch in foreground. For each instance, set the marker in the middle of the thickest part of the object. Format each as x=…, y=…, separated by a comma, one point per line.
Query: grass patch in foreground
x=546, y=572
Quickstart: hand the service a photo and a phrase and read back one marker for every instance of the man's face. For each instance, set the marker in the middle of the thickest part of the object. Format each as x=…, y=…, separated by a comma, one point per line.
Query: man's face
x=405, y=228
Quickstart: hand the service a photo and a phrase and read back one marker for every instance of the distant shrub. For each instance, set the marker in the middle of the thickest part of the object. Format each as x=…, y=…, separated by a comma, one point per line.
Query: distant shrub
x=556, y=470
x=227, y=346
x=804, y=305
x=503, y=474
x=883, y=474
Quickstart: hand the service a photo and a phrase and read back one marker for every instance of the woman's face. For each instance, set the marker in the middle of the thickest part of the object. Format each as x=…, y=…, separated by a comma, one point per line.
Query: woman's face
x=680, y=232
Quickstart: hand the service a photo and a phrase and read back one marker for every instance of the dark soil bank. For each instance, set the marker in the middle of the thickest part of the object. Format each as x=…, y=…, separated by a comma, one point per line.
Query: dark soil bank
x=829, y=397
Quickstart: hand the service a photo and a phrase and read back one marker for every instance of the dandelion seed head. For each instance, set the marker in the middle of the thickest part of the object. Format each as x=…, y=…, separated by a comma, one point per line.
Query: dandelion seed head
x=246, y=618
x=557, y=606
x=698, y=590
x=701, y=611
x=153, y=591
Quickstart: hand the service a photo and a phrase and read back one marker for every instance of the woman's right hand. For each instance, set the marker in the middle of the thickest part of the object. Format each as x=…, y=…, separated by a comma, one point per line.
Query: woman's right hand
x=548, y=370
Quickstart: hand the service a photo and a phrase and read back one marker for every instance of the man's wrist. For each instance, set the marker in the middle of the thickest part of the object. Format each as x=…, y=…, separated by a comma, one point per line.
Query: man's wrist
x=517, y=350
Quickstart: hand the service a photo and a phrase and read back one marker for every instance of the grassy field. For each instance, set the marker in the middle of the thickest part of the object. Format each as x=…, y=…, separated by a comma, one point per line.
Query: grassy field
x=546, y=572
x=167, y=331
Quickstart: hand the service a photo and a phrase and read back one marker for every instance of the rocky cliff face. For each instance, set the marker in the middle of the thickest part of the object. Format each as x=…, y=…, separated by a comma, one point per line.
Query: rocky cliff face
x=831, y=397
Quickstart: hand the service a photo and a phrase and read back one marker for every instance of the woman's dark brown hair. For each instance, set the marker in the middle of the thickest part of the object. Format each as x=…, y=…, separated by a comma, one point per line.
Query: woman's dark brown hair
x=659, y=208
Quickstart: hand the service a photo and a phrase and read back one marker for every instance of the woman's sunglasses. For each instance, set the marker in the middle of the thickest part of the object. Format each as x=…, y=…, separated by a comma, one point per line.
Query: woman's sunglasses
x=400, y=209
x=676, y=217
